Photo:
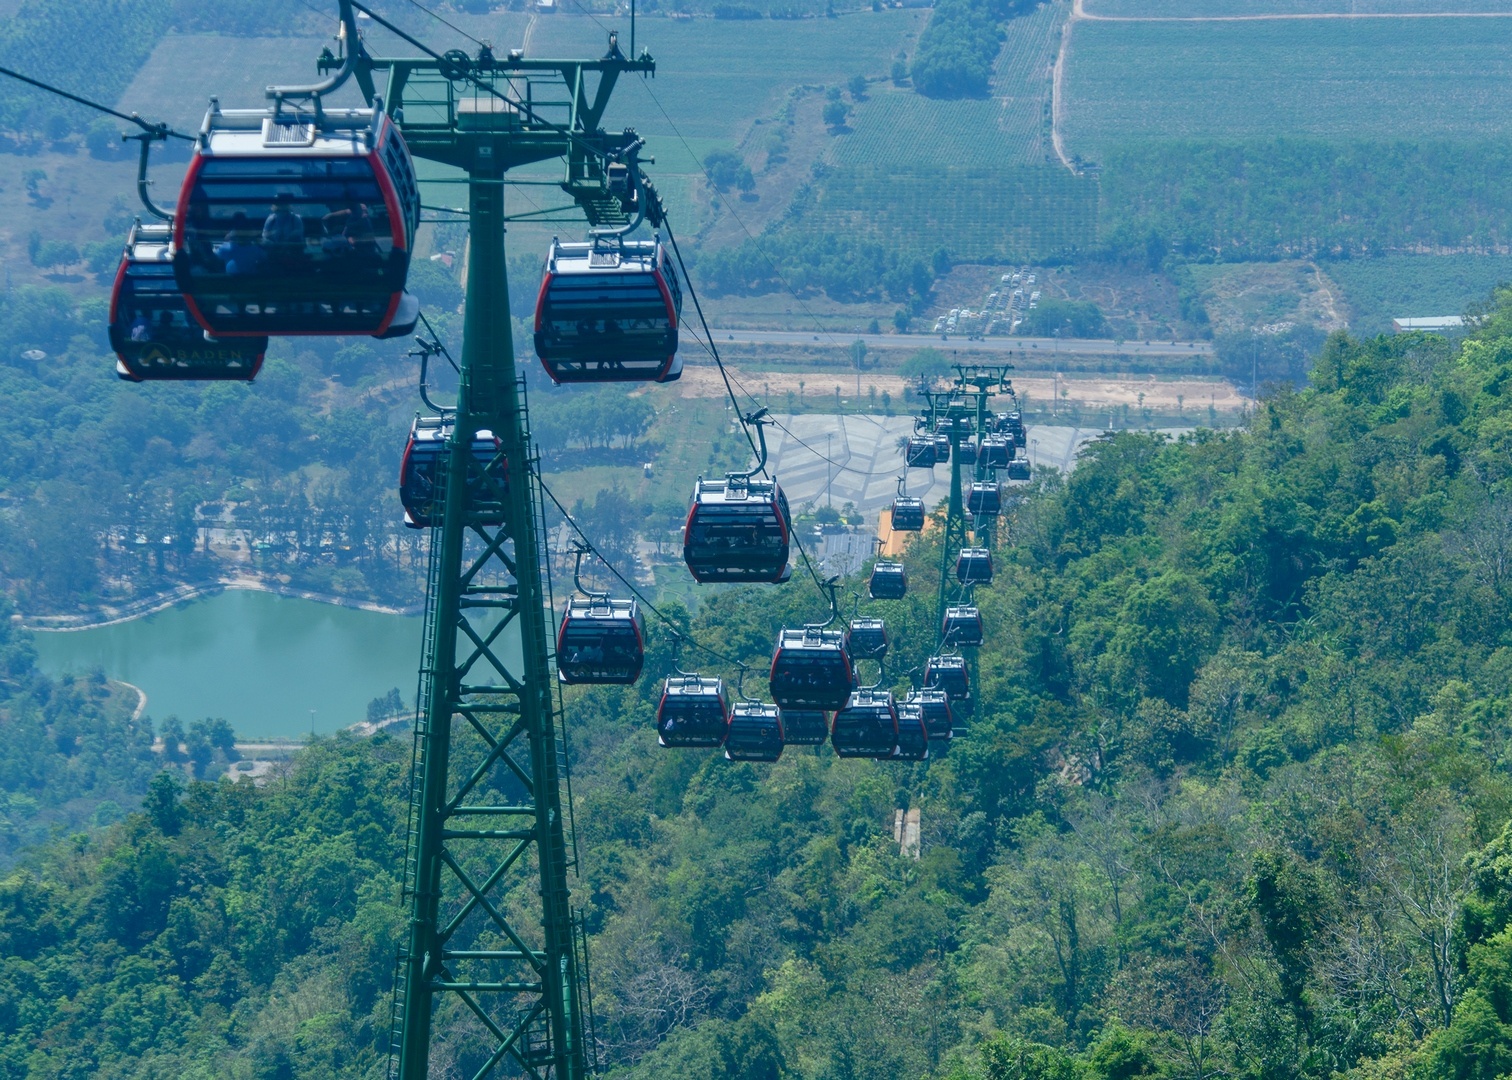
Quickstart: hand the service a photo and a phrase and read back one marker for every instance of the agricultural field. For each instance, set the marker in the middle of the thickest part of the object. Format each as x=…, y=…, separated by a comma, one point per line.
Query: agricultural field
x=1010, y=128
x=1210, y=9
x=1414, y=286
x=715, y=76
x=1024, y=213
x=1367, y=79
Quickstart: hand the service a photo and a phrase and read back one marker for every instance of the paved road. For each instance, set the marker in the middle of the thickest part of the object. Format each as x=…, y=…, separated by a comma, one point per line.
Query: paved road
x=994, y=346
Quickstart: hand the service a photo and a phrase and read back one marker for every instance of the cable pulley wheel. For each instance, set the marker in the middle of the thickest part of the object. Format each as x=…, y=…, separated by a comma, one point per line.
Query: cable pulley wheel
x=454, y=65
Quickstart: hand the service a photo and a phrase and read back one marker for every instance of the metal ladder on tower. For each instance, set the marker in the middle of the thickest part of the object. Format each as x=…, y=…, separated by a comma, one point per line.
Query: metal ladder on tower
x=425, y=687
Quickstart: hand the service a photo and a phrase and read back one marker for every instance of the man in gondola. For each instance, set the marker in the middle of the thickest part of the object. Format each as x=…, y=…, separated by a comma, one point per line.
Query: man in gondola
x=239, y=251
x=349, y=231
x=283, y=232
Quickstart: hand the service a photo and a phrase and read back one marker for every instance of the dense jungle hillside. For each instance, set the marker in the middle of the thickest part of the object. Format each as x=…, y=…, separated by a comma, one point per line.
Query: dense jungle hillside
x=1235, y=802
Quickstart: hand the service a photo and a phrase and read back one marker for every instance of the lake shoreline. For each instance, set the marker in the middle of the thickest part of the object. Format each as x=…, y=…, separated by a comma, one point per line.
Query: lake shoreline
x=184, y=594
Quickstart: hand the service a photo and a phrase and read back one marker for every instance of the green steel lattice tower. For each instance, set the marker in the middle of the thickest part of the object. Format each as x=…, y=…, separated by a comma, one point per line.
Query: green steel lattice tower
x=494, y=954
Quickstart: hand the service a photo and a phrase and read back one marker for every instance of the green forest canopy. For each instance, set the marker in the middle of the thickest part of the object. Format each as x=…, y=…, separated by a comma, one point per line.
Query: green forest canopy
x=1235, y=802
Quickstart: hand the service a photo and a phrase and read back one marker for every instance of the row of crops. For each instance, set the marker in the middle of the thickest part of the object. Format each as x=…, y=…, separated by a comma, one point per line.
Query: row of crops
x=1380, y=78
x=1004, y=214
x=1210, y=9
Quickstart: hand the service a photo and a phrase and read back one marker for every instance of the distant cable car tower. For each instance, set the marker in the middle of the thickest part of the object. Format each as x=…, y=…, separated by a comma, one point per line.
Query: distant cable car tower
x=956, y=413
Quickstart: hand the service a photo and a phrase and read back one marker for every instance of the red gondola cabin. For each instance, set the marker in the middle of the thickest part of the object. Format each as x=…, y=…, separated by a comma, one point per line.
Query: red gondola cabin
x=755, y=732
x=738, y=530
x=608, y=311
x=151, y=331
x=694, y=712
x=804, y=727
x=297, y=221
x=600, y=641
x=423, y=465
x=867, y=727
x=811, y=669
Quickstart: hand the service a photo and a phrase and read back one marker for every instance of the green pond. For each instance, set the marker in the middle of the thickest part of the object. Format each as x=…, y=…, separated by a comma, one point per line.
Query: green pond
x=261, y=661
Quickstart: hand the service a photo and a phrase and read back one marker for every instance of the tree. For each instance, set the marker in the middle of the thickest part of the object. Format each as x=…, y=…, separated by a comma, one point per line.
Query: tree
x=926, y=364
x=857, y=87
x=835, y=113
x=726, y=170
x=162, y=803
x=1068, y=318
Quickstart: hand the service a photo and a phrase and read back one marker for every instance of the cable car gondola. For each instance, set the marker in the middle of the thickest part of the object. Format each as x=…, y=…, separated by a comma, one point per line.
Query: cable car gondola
x=962, y=625
x=1018, y=469
x=811, y=669
x=804, y=727
x=608, y=311
x=996, y=452
x=420, y=472
x=908, y=514
x=298, y=220
x=755, y=732
x=974, y=566
x=942, y=449
x=968, y=449
x=1014, y=428
x=738, y=530
x=934, y=706
x=948, y=673
x=693, y=712
x=922, y=452
x=985, y=499
x=889, y=581
x=867, y=727
x=601, y=641
x=866, y=639
x=913, y=734
x=151, y=332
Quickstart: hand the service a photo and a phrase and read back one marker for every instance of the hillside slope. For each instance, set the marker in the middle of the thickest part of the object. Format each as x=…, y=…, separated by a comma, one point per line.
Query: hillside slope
x=1233, y=803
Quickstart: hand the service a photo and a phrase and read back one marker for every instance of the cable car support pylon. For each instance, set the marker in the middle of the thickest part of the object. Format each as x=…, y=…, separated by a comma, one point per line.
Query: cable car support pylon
x=487, y=812
x=959, y=411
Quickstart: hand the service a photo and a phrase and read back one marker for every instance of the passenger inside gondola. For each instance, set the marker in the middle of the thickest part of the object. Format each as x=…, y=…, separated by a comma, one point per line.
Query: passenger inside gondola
x=240, y=253
x=294, y=237
x=150, y=329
